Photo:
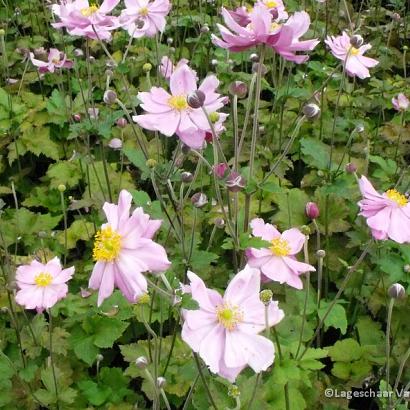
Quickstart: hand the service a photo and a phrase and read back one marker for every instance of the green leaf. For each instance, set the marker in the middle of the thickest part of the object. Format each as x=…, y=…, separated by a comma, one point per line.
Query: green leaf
x=107, y=331
x=315, y=153
x=336, y=317
x=345, y=350
x=64, y=172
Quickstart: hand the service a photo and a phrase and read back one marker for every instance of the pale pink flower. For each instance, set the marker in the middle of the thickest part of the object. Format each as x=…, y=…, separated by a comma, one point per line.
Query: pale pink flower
x=144, y=18
x=224, y=330
x=387, y=214
x=356, y=64
x=55, y=59
x=80, y=18
x=124, y=249
x=40, y=285
x=264, y=28
x=170, y=113
x=278, y=262
x=401, y=102
x=166, y=68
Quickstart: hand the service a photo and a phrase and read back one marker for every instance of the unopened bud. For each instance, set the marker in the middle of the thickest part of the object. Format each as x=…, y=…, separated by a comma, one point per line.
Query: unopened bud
x=110, y=97
x=141, y=362
x=312, y=210
x=161, y=382
x=77, y=117
x=396, y=291
x=321, y=253
x=99, y=357
x=356, y=41
x=115, y=143
x=122, y=122
x=359, y=128
x=220, y=170
x=233, y=391
x=147, y=67
x=205, y=29
x=214, y=62
x=235, y=182
x=256, y=67
x=109, y=73
x=396, y=17
x=406, y=268
x=91, y=59
x=151, y=163
x=2, y=32
x=266, y=296
x=254, y=58
x=311, y=111
x=350, y=168
x=170, y=40
x=219, y=223
x=199, y=200
x=78, y=52
x=305, y=229
x=61, y=188
x=186, y=177
x=238, y=88
x=196, y=99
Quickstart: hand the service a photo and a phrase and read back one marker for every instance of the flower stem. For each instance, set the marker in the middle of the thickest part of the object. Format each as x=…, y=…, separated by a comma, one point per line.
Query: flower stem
x=65, y=225
x=388, y=347
x=201, y=374
x=50, y=328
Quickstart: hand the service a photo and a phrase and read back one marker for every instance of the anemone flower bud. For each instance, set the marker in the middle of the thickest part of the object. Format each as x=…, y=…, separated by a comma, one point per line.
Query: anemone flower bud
x=205, y=29
x=235, y=182
x=141, y=362
x=77, y=117
x=220, y=223
x=122, y=122
x=115, y=143
x=214, y=62
x=266, y=296
x=356, y=41
x=254, y=58
x=151, y=163
x=147, y=67
x=312, y=210
x=186, y=177
x=220, y=170
x=263, y=68
x=396, y=291
x=350, y=168
x=321, y=253
x=99, y=357
x=78, y=52
x=199, y=200
x=170, y=40
x=110, y=97
x=311, y=111
x=161, y=382
x=238, y=88
x=196, y=99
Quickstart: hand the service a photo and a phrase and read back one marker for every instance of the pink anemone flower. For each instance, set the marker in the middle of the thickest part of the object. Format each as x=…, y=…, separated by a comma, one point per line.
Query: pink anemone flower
x=124, y=249
x=224, y=330
x=170, y=113
x=356, y=64
x=56, y=59
x=401, y=102
x=166, y=68
x=278, y=262
x=80, y=18
x=40, y=285
x=387, y=214
x=144, y=18
x=264, y=28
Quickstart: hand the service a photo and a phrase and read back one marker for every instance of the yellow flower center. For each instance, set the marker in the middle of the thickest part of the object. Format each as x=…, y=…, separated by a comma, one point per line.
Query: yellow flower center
x=397, y=197
x=354, y=51
x=55, y=60
x=280, y=247
x=43, y=279
x=274, y=26
x=107, y=245
x=229, y=316
x=270, y=4
x=178, y=102
x=88, y=11
x=143, y=11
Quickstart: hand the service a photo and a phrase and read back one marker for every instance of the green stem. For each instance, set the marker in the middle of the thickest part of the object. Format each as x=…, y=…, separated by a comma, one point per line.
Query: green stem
x=50, y=328
x=388, y=347
x=201, y=374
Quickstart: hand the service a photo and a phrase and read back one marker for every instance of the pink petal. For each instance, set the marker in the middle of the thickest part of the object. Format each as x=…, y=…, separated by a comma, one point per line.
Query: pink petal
x=182, y=81
x=295, y=239
x=265, y=231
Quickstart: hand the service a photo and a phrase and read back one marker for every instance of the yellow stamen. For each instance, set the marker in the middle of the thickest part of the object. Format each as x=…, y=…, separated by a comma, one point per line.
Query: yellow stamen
x=178, y=102
x=143, y=11
x=88, y=11
x=107, y=245
x=354, y=51
x=397, y=197
x=270, y=4
x=43, y=279
x=280, y=247
x=55, y=60
x=229, y=316
x=274, y=26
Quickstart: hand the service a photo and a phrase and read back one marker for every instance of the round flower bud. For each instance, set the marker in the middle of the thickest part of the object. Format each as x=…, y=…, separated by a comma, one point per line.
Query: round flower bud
x=220, y=170
x=91, y=59
x=238, y=88
x=109, y=73
x=99, y=357
x=312, y=210
x=77, y=117
x=359, y=128
x=147, y=67
x=214, y=62
x=186, y=177
x=115, y=143
x=235, y=182
x=196, y=99
x=141, y=362
x=151, y=163
x=110, y=97
x=61, y=188
x=254, y=58
x=205, y=29
x=161, y=382
x=219, y=223
x=199, y=200
x=122, y=122
x=350, y=168
x=406, y=268
x=356, y=41
x=171, y=50
x=78, y=52
x=305, y=229
x=266, y=296
x=170, y=40
x=311, y=111
x=263, y=69
x=396, y=17
x=144, y=299
x=321, y=253
x=233, y=391
x=2, y=32
x=397, y=291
